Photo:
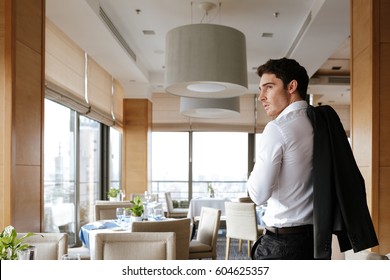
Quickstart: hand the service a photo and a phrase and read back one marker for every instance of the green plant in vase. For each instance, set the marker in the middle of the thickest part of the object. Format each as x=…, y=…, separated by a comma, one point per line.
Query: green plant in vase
x=138, y=208
x=113, y=194
x=10, y=245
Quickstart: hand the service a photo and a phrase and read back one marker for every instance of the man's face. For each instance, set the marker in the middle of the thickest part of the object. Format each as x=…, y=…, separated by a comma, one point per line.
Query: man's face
x=274, y=97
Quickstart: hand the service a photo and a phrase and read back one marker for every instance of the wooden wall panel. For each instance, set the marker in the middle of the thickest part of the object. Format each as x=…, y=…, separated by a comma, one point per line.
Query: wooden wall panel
x=4, y=158
x=384, y=21
x=27, y=199
x=384, y=210
x=384, y=105
x=370, y=53
x=361, y=108
x=28, y=106
x=22, y=133
x=366, y=173
x=28, y=29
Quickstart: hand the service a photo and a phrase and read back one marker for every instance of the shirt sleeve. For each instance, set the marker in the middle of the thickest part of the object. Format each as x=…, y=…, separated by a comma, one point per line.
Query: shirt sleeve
x=264, y=176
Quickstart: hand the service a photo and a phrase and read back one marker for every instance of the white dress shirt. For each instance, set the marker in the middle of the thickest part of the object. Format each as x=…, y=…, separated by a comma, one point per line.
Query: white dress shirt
x=281, y=175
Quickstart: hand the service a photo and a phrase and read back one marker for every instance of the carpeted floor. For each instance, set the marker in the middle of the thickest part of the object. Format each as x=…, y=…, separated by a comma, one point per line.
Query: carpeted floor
x=234, y=253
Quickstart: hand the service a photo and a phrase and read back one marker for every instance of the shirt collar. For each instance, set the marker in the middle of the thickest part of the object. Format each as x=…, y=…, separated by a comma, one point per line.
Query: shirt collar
x=297, y=105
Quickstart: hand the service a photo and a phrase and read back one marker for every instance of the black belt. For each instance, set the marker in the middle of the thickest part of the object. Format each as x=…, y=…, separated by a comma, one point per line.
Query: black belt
x=289, y=230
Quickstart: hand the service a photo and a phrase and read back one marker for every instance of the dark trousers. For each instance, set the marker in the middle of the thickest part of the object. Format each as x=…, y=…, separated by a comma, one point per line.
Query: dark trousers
x=292, y=246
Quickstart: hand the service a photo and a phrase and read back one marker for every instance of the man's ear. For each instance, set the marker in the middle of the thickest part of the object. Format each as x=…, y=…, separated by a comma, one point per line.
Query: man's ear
x=292, y=86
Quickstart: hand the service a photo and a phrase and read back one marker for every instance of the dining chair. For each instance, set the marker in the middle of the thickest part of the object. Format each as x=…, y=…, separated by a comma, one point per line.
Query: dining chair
x=181, y=227
x=174, y=212
x=205, y=244
x=134, y=246
x=48, y=246
x=246, y=199
x=241, y=224
x=106, y=210
x=82, y=251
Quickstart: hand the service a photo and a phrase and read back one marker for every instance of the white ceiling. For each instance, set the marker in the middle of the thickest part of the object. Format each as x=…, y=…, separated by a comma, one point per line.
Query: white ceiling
x=315, y=32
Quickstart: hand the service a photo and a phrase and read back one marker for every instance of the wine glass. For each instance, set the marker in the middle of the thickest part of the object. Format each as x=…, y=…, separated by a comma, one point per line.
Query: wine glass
x=120, y=212
x=148, y=197
x=123, y=195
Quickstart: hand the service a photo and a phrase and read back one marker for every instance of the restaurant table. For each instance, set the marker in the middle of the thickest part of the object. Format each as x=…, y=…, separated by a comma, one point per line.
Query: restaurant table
x=196, y=205
x=90, y=229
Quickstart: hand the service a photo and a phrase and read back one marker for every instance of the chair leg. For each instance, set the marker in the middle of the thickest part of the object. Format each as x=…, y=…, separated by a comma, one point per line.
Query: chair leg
x=227, y=248
x=239, y=245
x=249, y=248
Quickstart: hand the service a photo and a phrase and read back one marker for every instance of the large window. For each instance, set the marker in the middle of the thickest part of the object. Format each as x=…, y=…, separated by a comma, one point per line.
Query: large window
x=60, y=170
x=89, y=167
x=75, y=172
x=187, y=164
x=220, y=161
x=115, y=158
x=170, y=156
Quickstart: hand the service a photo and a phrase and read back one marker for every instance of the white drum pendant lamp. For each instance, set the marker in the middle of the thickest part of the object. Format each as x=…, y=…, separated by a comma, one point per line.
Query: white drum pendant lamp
x=210, y=108
x=206, y=61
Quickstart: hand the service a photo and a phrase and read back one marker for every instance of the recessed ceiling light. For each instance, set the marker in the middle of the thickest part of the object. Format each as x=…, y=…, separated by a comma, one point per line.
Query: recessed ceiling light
x=267, y=35
x=149, y=32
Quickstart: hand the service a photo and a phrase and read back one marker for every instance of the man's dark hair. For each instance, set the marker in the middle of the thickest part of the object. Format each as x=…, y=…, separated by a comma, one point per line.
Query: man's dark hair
x=287, y=70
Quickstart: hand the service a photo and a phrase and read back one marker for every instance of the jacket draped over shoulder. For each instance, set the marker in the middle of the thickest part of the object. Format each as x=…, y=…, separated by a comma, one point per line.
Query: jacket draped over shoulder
x=340, y=204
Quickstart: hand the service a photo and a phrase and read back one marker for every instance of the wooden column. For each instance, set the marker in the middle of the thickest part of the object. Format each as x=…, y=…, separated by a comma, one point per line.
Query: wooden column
x=21, y=113
x=370, y=103
x=137, y=127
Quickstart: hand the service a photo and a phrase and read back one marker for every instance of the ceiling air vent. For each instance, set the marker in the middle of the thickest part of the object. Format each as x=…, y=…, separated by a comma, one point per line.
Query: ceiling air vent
x=339, y=80
x=116, y=33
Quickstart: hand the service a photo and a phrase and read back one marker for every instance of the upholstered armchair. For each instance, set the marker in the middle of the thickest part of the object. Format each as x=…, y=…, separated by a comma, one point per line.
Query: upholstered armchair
x=135, y=246
x=48, y=246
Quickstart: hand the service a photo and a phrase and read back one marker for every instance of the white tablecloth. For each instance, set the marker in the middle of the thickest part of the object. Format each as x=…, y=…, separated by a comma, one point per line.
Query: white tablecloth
x=196, y=205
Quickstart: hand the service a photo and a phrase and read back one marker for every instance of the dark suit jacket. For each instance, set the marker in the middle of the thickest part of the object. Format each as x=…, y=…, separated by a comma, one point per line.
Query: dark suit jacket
x=340, y=205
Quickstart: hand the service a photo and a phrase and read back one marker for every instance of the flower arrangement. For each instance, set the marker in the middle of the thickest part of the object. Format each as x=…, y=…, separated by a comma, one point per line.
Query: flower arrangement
x=10, y=245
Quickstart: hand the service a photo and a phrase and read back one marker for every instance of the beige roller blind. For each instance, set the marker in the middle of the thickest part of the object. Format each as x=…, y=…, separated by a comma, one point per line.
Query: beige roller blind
x=99, y=93
x=167, y=117
x=64, y=70
x=118, y=104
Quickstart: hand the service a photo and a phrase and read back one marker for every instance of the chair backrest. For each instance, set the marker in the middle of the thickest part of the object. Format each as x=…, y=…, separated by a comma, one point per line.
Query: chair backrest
x=246, y=199
x=134, y=246
x=153, y=197
x=241, y=222
x=181, y=227
x=48, y=246
x=168, y=199
x=106, y=210
x=207, y=233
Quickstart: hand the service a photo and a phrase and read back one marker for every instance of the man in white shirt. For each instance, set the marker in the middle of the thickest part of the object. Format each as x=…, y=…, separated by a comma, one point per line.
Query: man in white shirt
x=281, y=176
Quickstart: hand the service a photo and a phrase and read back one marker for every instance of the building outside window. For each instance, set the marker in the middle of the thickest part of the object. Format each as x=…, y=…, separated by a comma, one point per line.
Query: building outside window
x=186, y=164
x=73, y=168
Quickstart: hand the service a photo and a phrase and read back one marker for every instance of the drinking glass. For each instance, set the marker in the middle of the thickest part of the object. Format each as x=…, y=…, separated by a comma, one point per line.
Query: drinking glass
x=158, y=213
x=120, y=212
